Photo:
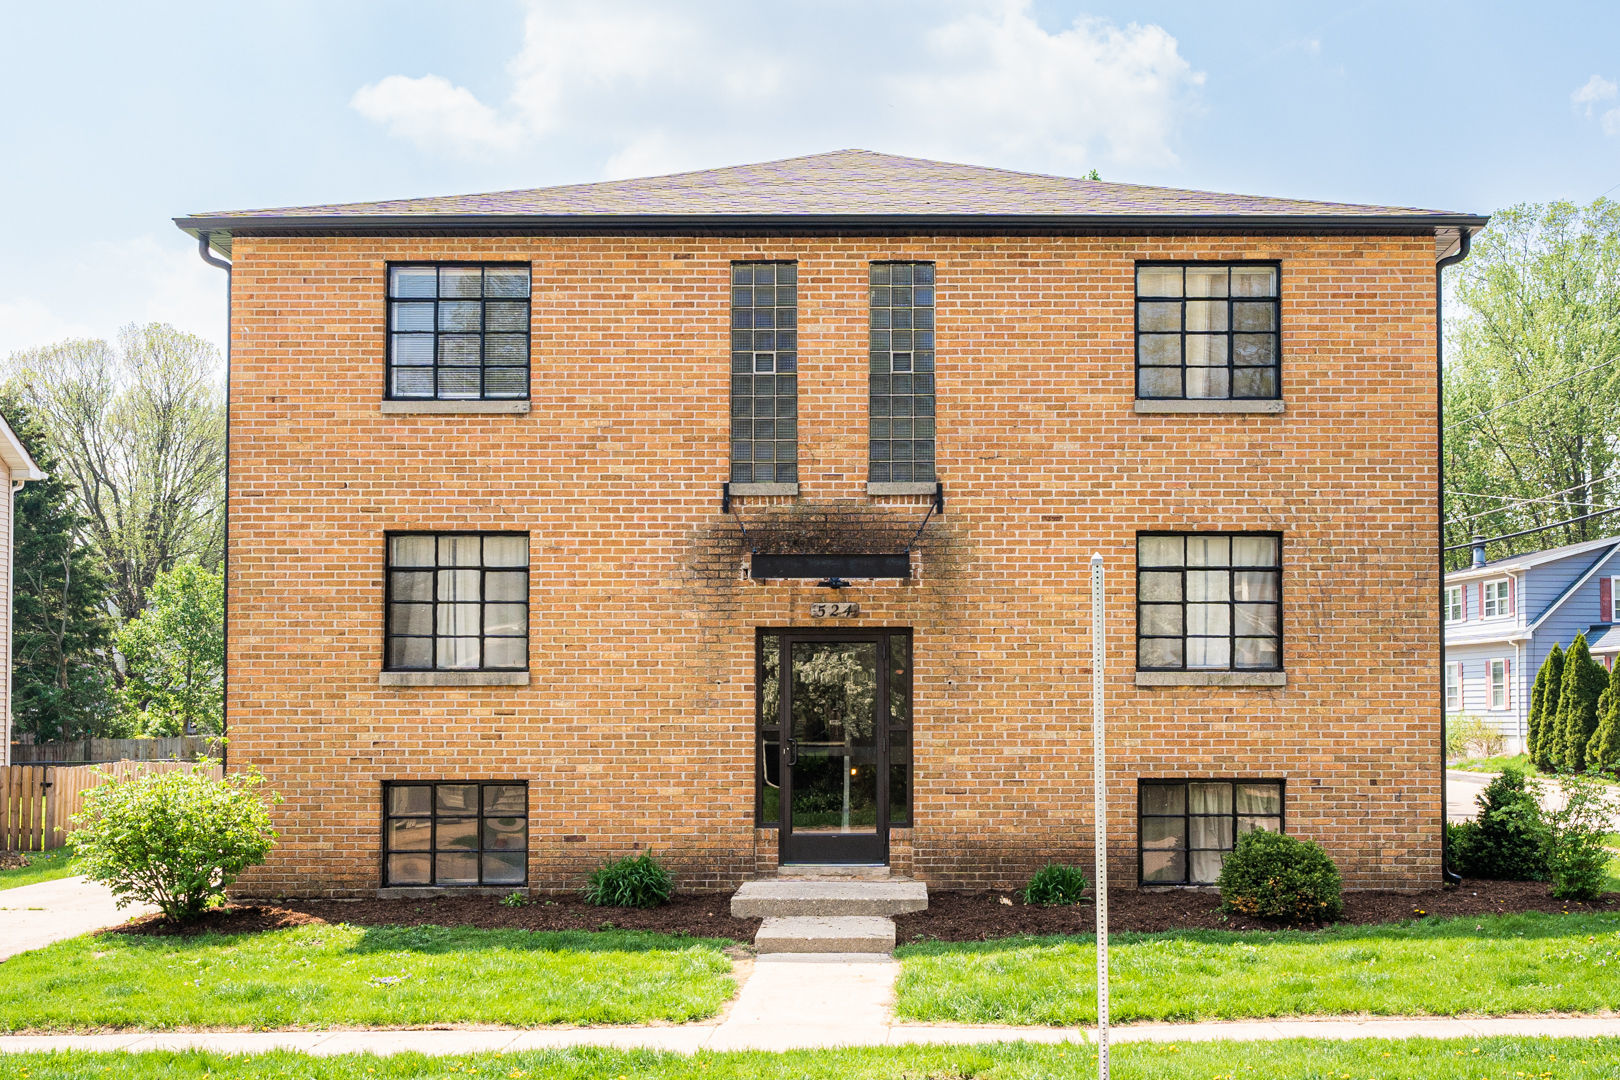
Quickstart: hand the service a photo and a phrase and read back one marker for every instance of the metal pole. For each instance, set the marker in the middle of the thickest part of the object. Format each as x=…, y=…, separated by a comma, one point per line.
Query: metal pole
x=1100, y=801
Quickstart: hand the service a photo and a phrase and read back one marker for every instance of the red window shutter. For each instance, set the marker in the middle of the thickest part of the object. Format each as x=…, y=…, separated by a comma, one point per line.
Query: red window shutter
x=1605, y=600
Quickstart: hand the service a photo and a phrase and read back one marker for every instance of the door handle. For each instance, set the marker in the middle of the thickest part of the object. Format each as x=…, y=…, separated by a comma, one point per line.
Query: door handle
x=792, y=752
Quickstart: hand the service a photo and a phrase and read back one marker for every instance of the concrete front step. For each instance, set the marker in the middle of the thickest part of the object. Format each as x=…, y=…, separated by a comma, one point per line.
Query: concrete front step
x=790, y=898
x=813, y=934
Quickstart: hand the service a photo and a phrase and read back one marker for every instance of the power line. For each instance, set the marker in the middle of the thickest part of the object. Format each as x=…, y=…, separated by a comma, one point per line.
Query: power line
x=1518, y=501
x=1527, y=532
x=1539, y=390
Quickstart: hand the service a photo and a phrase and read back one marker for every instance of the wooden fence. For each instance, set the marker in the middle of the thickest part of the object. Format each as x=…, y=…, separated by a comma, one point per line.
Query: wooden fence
x=38, y=802
x=91, y=751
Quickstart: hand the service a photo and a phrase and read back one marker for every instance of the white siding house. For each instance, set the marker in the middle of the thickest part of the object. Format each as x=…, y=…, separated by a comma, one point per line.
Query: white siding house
x=18, y=468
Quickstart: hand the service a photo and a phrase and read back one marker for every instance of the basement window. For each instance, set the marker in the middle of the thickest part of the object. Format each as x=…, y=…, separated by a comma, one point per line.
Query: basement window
x=457, y=602
x=458, y=332
x=1208, y=330
x=455, y=834
x=1186, y=827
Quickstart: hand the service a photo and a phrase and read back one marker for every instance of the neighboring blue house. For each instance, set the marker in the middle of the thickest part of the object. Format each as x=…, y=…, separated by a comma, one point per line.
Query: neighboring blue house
x=1503, y=618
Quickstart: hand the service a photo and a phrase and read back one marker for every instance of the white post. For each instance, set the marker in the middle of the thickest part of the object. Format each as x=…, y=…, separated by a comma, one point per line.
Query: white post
x=1100, y=801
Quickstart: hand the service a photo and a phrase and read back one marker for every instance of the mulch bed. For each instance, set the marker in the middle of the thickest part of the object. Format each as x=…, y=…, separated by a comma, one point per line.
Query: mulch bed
x=980, y=916
x=951, y=916
x=12, y=860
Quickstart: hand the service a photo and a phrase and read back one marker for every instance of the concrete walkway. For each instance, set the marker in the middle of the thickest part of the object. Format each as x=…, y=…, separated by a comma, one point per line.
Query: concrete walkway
x=33, y=916
x=797, y=1001
x=1462, y=788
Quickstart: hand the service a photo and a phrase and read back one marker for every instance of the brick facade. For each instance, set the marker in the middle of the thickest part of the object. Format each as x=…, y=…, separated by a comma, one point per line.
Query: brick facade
x=637, y=727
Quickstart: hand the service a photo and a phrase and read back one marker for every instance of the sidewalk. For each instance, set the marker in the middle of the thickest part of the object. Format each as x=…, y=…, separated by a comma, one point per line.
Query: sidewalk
x=808, y=1002
x=33, y=916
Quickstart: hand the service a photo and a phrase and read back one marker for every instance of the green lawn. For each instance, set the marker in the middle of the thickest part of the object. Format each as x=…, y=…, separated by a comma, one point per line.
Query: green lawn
x=42, y=866
x=1299, y=1059
x=326, y=975
x=1494, y=764
x=1492, y=965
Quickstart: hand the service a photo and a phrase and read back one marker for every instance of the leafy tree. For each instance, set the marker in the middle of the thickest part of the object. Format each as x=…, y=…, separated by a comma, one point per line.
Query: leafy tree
x=1577, y=860
x=1584, y=682
x=174, y=655
x=139, y=431
x=1531, y=402
x=1543, y=722
x=61, y=635
x=1603, y=752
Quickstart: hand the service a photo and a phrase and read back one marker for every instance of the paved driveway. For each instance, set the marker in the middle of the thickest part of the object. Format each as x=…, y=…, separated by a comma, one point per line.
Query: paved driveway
x=1462, y=788
x=36, y=915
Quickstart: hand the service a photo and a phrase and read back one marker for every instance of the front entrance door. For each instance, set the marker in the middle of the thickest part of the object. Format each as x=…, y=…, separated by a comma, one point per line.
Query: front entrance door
x=833, y=716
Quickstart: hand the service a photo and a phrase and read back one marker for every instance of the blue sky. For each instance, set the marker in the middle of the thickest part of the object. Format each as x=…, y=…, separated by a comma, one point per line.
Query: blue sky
x=122, y=116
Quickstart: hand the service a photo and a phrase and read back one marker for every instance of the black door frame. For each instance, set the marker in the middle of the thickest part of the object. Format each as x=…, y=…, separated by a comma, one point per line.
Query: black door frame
x=848, y=849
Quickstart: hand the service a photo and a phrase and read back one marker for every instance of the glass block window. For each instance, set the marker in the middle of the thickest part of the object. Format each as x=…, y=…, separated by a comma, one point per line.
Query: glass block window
x=1186, y=827
x=764, y=373
x=902, y=372
x=455, y=834
x=1208, y=602
x=1207, y=330
x=458, y=601
x=458, y=332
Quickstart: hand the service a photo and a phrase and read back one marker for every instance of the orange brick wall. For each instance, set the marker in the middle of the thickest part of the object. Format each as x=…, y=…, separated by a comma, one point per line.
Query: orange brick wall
x=636, y=730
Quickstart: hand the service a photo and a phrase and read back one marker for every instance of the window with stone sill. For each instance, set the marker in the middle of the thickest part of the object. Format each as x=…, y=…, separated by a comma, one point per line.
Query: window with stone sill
x=1209, y=602
x=901, y=375
x=458, y=332
x=455, y=834
x=1208, y=331
x=457, y=602
x=764, y=373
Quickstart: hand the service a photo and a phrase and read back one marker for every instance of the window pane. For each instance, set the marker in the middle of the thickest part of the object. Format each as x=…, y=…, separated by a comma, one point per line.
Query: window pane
x=1159, y=619
x=410, y=799
x=505, y=833
x=1204, y=315
x=1169, y=867
x=1259, y=798
x=1254, y=383
x=410, y=550
x=1158, y=382
x=457, y=833
x=505, y=867
x=1206, y=281
x=410, y=653
x=1212, y=832
x=466, y=316
x=459, y=585
x=410, y=618
x=1256, y=620
x=1164, y=834
x=504, y=281
x=508, y=799
x=1207, y=584
x=1205, y=866
x=1164, y=798
x=413, y=317
x=461, y=280
x=1206, y=350
x=1254, y=350
x=1158, y=281
x=455, y=798
x=1209, y=652
x=1254, y=316
x=1254, y=281
x=410, y=834
x=505, y=652
x=459, y=619
x=506, y=586
x=1254, y=585
x=459, y=383
x=506, y=619
x=413, y=281
x=1254, y=551
x=506, y=348
x=460, y=653
x=1152, y=316
x=1209, y=550
x=461, y=550
x=1160, y=550
x=414, y=350
x=457, y=869
x=410, y=870
x=1159, y=350
x=412, y=382
x=1257, y=653
x=506, y=316
x=1208, y=382
x=1159, y=585
x=1159, y=653
x=506, y=551
x=1209, y=619
x=1207, y=798
x=1265, y=824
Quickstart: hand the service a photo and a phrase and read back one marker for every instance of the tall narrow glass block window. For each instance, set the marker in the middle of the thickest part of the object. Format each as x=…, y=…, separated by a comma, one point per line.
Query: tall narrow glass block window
x=458, y=601
x=1208, y=602
x=764, y=373
x=458, y=332
x=1207, y=330
x=455, y=834
x=1185, y=828
x=902, y=372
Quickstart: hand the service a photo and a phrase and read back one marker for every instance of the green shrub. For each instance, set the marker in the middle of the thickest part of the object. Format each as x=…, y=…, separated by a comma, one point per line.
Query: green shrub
x=1577, y=861
x=1603, y=752
x=1584, y=682
x=1471, y=736
x=173, y=839
x=1508, y=841
x=1542, y=734
x=634, y=881
x=1276, y=876
x=1055, y=883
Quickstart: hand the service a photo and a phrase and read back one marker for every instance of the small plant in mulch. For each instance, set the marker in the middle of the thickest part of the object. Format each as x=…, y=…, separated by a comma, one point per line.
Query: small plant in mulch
x=515, y=898
x=1282, y=878
x=636, y=881
x=1055, y=884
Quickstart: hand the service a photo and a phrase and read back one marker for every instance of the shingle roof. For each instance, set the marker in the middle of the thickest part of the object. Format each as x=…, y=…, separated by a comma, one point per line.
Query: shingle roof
x=844, y=184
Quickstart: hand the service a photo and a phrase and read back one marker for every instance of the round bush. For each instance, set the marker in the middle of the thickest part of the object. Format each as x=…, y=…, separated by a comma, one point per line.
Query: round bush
x=634, y=881
x=1509, y=840
x=1055, y=884
x=1275, y=876
x=173, y=839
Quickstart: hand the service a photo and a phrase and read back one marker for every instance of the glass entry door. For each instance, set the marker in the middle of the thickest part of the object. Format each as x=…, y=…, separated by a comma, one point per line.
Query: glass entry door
x=834, y=747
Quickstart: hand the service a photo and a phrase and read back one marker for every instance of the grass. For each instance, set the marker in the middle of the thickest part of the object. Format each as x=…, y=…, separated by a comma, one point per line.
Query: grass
x=325, y=975
x=1491, y=965
x=42, y=866
x=1495, y=764
x=1297, y=1059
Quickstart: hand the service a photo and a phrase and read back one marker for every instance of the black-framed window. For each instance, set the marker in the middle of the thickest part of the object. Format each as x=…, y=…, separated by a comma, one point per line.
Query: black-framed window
x=1208, y=330
x=768, y=730
x=902, y=372
x=1186, y=827
x=457, y=601
x=458, y=331
x=1209, y=601
x=455, y=833
x=764, y=373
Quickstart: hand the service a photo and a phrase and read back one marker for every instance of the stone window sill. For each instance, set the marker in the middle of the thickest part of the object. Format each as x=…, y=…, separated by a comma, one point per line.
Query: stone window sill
x=1180, y=405
x=455, y=407
x=764, y=489
x=927, y=488
x=453, y=678
x=1212, y=678
x=430, y=892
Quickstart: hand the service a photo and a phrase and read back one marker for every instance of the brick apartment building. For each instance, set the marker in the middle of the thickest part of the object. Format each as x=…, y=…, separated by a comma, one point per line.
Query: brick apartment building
x=534, y=496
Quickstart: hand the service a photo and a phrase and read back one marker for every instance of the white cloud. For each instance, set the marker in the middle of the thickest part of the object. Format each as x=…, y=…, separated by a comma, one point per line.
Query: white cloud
x=1597, y=89
x=643, y=86
x=432, y=112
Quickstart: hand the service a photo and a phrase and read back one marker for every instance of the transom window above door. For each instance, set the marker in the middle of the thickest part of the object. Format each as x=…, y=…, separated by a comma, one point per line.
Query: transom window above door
x=458, y=331
x=1208, y=330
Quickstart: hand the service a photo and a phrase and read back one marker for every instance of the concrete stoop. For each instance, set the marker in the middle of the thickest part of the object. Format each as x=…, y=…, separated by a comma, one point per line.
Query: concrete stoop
x=821, y=915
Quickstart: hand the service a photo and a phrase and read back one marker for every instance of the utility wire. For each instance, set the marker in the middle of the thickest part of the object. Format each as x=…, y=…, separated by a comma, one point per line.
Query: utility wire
x=1539, y=390
x=1517, y=503
x=1527, y=532
x=1528, y=498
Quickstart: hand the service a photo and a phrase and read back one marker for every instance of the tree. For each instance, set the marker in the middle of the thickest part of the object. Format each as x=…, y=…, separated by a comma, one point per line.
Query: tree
x=139, y=432
x=1584, y=682
x=174, y=655
x=1603, y=752
x=61, y=635
x=1531, y=408
x=1544, y=709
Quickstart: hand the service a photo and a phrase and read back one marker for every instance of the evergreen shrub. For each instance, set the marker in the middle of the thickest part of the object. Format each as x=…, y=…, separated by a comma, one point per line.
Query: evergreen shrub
x=1276, y=876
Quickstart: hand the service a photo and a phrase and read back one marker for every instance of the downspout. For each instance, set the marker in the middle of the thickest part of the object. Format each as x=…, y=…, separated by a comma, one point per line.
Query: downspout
x=1464, y=242
x=225, y=562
